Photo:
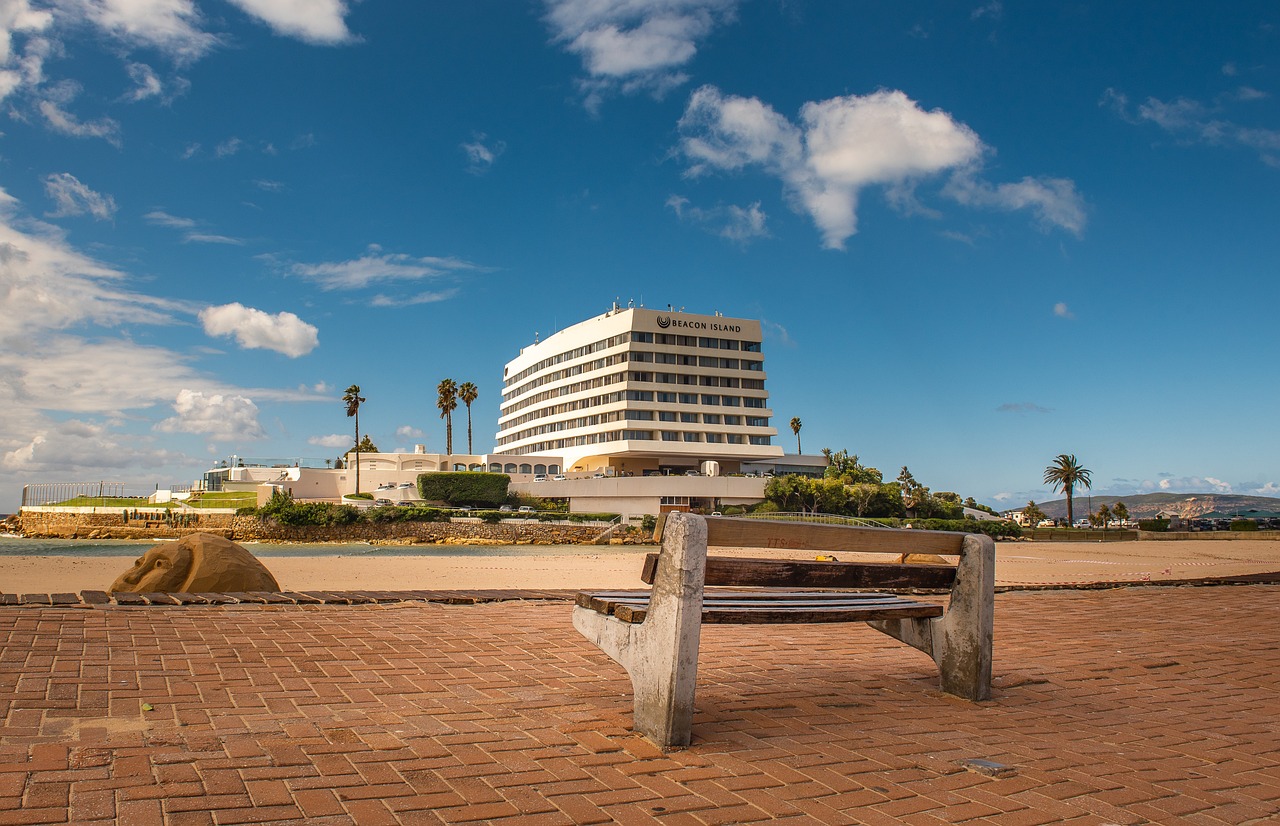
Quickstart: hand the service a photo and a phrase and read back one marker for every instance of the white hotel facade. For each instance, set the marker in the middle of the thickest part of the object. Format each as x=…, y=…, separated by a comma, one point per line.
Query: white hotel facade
x=637, y=392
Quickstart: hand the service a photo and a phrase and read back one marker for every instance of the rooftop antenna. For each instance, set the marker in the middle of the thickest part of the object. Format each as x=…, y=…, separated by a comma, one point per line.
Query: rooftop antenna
x=535, y=336
x=631, y=303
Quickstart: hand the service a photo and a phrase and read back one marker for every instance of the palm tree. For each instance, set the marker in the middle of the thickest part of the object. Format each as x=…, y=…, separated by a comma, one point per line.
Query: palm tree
x=468, y=392
x=353, y=400
x=447, y=401
x=796, y=424
x=1064, y=474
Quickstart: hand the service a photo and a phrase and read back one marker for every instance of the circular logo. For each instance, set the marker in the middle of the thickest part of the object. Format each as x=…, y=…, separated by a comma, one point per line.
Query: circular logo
x=664, y=321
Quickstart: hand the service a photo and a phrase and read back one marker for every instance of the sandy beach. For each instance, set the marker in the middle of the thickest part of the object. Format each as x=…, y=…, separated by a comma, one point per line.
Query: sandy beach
x=1017, y=563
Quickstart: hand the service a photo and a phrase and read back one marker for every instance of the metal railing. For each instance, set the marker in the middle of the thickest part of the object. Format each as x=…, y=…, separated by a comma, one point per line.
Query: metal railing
x=817, y=518
x=49, y=493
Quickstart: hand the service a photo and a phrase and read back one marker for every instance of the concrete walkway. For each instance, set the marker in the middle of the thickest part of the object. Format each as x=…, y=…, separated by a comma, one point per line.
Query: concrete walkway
x=1125, y=706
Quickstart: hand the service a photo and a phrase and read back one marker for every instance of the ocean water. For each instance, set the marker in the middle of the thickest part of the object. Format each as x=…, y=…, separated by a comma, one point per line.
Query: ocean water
x=18, y=546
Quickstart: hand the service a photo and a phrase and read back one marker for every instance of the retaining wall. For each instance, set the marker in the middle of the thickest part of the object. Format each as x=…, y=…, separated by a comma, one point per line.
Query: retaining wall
x=249, y=528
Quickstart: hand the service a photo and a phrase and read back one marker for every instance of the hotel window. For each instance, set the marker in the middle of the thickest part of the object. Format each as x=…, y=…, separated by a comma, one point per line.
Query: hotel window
x=711, y=400
x=639, y=395
x=711, y=418
x=733, y=438
x=689, y=418
x=666, y=416
x=642, y=415
x=688, y=398
x=750, y=346
x=731, y=401
x=664, y=358
x=637, y=434
x=644, y=338
x=709, y=343
x=759, y=440
x=638, y=356
x=728, y=344
x=757, y=421
x=670, y=436
x=665, y=338
x=715, y=438
x=687, y=341
x=639, y=376
x=752, y=365
x=734, y=420
x=687, y=361
x=753, y=402
x=709, y=381
x=753, y=384
x=708, y=361
x=729, y=381
x=665, y=378
x=692, y=437
x=729, y=364
x=668, y=398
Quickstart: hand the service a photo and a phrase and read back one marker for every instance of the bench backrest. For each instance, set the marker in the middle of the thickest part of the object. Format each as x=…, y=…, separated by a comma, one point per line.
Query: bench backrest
x=759, y=533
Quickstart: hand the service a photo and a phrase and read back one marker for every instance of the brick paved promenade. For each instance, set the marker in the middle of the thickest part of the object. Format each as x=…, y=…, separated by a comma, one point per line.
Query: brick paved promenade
x=1138, y=705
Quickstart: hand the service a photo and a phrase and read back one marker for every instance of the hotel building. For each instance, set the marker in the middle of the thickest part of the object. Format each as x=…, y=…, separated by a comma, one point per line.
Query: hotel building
x=638, y=392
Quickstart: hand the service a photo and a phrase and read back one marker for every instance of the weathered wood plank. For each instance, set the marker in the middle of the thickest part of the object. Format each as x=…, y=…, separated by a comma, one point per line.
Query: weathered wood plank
x=759, y=615
x=732, y=532
x=787, y=573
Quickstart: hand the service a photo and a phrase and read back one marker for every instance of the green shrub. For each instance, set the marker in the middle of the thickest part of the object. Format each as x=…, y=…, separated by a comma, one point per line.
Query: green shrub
x=491, y=517
x=1157, y=525
x=1244, y=525
x=246, y=511
x=592, y=517
x=544, y=516
x=465, y=488
x=361, y=495
x=648, y=523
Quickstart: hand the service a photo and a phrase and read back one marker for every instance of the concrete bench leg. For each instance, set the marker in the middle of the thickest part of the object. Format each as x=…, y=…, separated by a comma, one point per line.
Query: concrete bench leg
x=661, y=653
x=960, y=641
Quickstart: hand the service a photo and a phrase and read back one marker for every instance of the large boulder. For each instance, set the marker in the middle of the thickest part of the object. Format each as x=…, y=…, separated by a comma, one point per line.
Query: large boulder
x=197, y=563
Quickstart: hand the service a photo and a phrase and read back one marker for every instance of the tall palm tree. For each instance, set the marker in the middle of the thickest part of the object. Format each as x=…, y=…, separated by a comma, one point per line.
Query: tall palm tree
x=468, y=392
x=353, y=401
x=796, y=424
x=1065, y=474
x=447, y=401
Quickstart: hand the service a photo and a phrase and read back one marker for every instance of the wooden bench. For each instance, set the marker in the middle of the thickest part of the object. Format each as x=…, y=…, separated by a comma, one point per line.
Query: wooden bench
x=654, y=634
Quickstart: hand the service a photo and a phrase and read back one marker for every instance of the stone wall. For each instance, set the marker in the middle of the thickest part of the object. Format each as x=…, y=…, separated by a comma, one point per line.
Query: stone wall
x=249, y=528
x=1165, y=536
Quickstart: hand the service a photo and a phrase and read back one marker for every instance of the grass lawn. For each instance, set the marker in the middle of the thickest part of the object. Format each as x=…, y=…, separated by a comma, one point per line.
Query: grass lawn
x=235, y=499
x=139, y=502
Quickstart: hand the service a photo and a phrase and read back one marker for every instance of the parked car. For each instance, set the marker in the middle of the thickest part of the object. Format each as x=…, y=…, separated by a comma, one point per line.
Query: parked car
x=526, y=509
x=1046, y=523
x=382, y=502
x=597, y=476
x=559, y=477
x=692, y=473
x=540, y=478
x=506, y=509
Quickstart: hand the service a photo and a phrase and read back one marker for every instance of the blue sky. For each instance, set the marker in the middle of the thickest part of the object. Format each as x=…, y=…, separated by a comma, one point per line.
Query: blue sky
x=978, y=235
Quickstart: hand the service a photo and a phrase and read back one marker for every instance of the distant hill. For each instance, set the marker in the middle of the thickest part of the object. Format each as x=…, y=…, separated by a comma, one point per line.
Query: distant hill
x=1146, y=505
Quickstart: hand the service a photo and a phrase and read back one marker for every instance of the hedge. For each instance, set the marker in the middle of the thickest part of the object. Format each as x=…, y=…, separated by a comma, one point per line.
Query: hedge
x=1244, y=525
x=1157, y=525
x=466, y=488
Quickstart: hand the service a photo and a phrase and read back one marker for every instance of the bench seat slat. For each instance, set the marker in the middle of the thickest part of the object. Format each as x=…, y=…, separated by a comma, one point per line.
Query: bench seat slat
x=731, y=532
x=724, y=606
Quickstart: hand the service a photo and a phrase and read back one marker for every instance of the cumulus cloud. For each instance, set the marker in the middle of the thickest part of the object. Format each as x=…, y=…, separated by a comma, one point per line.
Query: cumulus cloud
x=377, y=267
x=74, y=198
x=217, y=416
x=17, y=18
x=171, y=26
x=481, y=153
x=847, y=144
x=320, y=22
x=333, y=440
x=1022, y=407
x=255, y=330
x=63, y=122
x=405, y=431
x=1192, y=122
x=1188, y=484
x=740, y=224
x=76, y=446
x=634, y=45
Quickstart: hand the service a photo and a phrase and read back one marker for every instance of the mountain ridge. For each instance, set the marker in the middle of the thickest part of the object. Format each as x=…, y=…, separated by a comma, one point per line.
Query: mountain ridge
x=1147, y=505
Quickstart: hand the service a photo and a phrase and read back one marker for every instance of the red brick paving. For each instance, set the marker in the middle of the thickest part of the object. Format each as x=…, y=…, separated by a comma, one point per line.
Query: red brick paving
x=1128, y=706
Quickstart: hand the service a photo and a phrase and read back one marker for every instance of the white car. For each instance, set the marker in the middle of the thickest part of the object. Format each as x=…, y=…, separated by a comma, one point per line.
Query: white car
x=540, y=478
x=559, y=477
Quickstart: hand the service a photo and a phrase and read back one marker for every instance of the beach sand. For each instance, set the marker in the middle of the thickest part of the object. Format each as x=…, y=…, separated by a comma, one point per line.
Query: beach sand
x=1017, y=563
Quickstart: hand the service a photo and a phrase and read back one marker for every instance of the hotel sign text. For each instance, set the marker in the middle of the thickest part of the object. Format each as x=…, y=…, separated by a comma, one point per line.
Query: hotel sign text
x=666, y=322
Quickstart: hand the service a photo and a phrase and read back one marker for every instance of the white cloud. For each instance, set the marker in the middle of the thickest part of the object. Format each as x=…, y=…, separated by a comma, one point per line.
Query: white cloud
x=161, y=218
x=1193, y=122
x=75, y=446
x=736, y=223
x=255, y=330
x=320, y=22
x=172, y=26
x=207, y=238
x=1189, y=484
x=634, y=45
x=376, y=267
x=1022, y=407
x=25, y=70
x=60, y=120
x=413, y=300
x=777, y=332
x=333, y=440
x=146, y=83
x=217, y=416
x=405, y=431
x=1269, y=489
x=227, y=148
x=1061, y=310
x=846, y=144
x=74, y=198
x=481, y=155
x=994, y=10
